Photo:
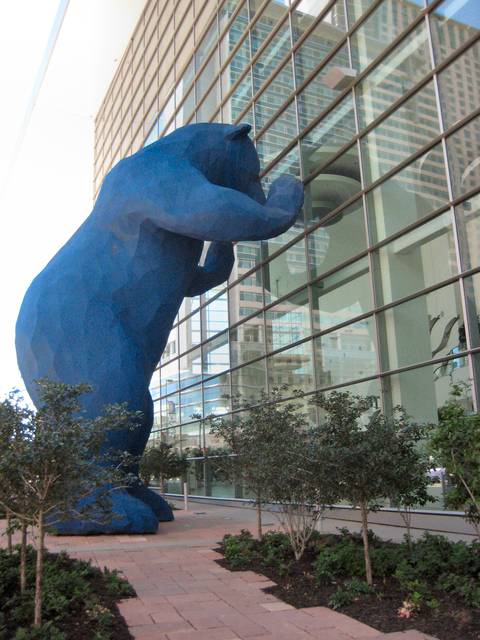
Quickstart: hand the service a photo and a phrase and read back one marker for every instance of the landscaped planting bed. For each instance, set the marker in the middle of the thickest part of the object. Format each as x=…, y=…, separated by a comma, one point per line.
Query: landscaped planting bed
x=79, y=601
x=432, y=585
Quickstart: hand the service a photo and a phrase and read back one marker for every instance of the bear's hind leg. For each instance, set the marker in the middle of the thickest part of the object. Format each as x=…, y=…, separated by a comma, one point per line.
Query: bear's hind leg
x=159, y=505
x=151, y=498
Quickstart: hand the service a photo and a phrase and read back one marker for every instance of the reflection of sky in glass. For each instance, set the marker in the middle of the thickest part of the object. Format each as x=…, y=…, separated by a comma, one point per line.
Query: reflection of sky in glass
x=464, y=11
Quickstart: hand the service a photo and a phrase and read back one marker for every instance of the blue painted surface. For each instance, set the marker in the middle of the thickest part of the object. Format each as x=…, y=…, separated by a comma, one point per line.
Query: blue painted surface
x=102, y=309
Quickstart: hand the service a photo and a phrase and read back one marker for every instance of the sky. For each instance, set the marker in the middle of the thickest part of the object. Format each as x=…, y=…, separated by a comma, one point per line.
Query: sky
x=46, y=167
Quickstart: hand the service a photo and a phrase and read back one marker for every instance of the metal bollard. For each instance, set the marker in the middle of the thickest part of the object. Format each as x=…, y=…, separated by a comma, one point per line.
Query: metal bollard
x=185, y=496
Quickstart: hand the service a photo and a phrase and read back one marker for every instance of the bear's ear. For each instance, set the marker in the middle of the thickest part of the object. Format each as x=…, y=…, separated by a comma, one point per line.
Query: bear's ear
x=239, y=131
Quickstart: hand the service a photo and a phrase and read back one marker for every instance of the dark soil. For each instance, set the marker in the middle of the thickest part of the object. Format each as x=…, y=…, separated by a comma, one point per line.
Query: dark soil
x=452, y=620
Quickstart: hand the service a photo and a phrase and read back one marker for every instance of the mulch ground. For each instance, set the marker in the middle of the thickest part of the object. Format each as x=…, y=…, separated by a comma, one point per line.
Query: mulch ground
x=451, y=620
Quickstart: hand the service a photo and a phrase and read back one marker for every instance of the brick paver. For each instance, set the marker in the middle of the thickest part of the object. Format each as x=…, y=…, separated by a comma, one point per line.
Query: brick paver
x=182, y=594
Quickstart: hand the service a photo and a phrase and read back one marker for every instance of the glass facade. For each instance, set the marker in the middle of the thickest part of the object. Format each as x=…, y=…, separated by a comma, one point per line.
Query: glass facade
x=376, y=288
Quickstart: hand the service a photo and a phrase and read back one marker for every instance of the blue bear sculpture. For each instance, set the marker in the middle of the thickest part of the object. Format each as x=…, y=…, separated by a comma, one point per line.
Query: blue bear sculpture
x=102, y=309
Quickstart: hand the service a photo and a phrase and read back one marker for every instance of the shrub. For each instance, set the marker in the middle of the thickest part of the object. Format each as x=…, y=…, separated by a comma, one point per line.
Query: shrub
x=349, y=592
x=344, y=559
x=47, y=631
x=239, y=550
x=275, y=548
x=463, y=586
x=386, y=558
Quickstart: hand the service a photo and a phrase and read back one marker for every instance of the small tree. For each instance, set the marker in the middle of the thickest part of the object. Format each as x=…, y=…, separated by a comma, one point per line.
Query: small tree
x=13, y=417
x=367, y=459
x=455, y=444
x=254, y=440
x=298, y=480
x=53, y=468
x=409, y=485
x=162, y=461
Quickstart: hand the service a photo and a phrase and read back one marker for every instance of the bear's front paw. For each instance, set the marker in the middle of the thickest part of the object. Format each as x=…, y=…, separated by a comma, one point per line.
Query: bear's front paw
x=286, y=193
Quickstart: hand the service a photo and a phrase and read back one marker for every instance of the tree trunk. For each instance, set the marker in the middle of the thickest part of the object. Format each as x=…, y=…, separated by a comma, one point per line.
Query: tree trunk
x=406, y=515
x=23, y=559
x=366, y=550
x=259, y=518
x=9, y=532
x=37, y=620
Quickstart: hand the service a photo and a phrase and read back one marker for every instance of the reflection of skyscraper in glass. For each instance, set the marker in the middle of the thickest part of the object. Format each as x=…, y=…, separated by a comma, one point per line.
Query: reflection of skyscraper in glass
x=376, y=289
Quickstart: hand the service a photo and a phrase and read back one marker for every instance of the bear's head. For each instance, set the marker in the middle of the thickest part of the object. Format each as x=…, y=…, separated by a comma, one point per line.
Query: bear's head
x=224, y=153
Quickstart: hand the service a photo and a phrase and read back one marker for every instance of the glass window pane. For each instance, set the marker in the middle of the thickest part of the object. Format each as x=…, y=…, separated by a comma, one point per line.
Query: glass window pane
x=191, y=438
x=169, y=377
x=356, y=9
x=278, y=135
x=335, y=130
x=305, y=13
x=247, y=340
x=346, y=353
x=271, y=15
x=398, y=72
x=166, y=114
x=154, y=386
x=226, y=12
x=417, y=260
x=289, y=164
x=452, y=23
x=468, y=221
x=246, y=297
x=185, y=111
x=341, y=296
x=191, y=368
x=324, y=37
x=206, y=44
x=170, y=410
x=215, y=316
x=340, y=239
x=238, y=101
x=216, y=355
x=182, y=86
x=472, y=301
x=380, y=29
x=337, y=183
x=463, y=149
x=173, y=437
x=171, y=348
x=236, y=66
x=248, y=382
x=459, y=86
x=286, y=272
x=316, y=96
x=189, y=332
x=423, y=328
x=207, y=76
x=409, y=195
x=191, y=404
x=270, y=101
x=292, y=367
x=271, y=56
x=424, y=390
x=248, y=255
x=288, y=321
x=409, y=128
x=216, y=395
x=209, y=106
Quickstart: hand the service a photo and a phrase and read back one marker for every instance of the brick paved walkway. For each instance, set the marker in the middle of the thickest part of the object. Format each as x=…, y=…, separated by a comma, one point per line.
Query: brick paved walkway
x=183, y=594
